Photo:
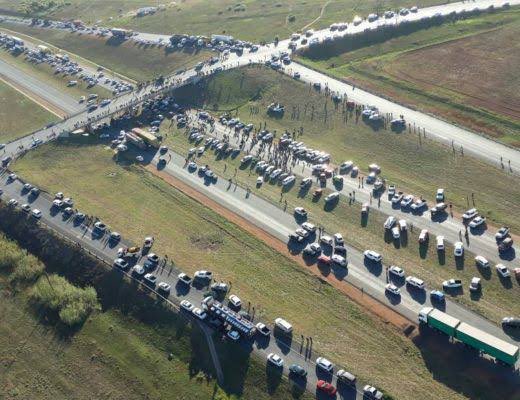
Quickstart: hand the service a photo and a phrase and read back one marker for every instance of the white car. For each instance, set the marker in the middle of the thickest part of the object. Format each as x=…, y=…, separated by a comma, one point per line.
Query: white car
x=482, y=262
x=452, y=284
x=235, y=301
x=415, y=282
x=470, y=214
x=259, y=181
x=458, y=249
x=503, y=271
x=440, y=243
x=502, y=233
x=138, y=270
x=200, y=314
x=407, y=200
x=397, y=271
x=275, y=359
x=203, y=274
x=391, y=288
x=302, y=212
x=164, y=287
x=312, y=249
x=332, y=197
x=185, y=304
x=340, y=260
x=36, y=213
x=396, y=233
x=477, y=221
x=338, y=239
x=327, y=240
x=390, y=222
x=324, y=364
x=57, y=203
x=373, y=255
x=309, y=227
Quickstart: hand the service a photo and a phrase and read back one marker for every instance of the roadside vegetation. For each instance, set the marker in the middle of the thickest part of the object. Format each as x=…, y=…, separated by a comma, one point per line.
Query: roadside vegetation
x=428, y=70
x=14, y=105
x=251, y=20
x=135, y=61
x=120, y=353
x=136, y=203
x=416, y=165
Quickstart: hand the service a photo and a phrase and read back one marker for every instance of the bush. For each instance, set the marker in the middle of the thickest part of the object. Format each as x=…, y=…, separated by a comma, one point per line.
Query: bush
x=291, y=18
x=72, y=304
x=15, y=261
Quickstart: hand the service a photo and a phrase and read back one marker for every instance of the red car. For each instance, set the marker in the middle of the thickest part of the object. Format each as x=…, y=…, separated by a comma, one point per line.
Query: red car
x=326, y=387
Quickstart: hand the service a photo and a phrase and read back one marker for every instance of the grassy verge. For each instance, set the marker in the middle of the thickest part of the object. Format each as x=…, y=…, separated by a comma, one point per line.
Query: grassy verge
x=112, y=356
x=130, y=59
x=498, y=296
x=19, y=115
x=415, y=165
x=483, y=98
x=252, y=20
x=138, y=204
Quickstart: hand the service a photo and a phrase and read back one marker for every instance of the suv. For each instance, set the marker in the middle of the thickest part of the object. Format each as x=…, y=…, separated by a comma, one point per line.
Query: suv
x=371, y=392
x=346, y=377
x=506, y=244
x=390, y=222
x=475, y=285
x=502, y=233
x=470, y=214
x=415, y=282
x=458, y=249
x=452, y=284
x=372, y=255
x=481, y=262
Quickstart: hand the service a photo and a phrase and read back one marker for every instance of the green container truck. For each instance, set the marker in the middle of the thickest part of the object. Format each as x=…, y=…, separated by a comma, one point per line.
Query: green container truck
x=469, y=335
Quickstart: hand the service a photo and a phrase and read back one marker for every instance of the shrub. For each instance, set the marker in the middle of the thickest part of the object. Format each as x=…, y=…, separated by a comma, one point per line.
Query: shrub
x=72, y=304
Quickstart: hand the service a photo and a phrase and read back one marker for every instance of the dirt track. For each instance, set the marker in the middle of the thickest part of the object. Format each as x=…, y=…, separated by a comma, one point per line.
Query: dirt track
x=380, y=310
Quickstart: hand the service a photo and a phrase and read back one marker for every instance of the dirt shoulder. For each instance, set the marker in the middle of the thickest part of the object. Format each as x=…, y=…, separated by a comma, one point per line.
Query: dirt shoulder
x=379, y=309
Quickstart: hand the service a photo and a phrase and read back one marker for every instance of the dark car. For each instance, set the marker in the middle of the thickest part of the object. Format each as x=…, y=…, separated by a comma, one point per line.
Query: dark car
x=511, y=322
x=297, y=371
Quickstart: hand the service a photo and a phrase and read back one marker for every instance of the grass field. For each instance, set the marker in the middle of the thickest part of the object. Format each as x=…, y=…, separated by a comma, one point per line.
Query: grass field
x=254, y=20
x=418, y=167
x=470, y=76
x=129, y=58
x=112, y=356
x=19, y=115
x=138, y=204
x=498, y=296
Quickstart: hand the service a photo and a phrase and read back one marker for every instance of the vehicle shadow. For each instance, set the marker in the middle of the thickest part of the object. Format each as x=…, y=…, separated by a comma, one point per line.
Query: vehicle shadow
x=508, y=255
x=373, y=267
x=459, y=262
x=417, y=294
x=506, y=282
x=441, y=257
x=485, y=272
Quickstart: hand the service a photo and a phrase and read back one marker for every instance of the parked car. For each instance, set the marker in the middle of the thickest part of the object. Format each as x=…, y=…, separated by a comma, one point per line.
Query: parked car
x=397, y=271
x=372, y=393
x=452, y=284
x=470, y=214
x=327, y=240
x=439, y=196
x=482, y=262
x=477, y=221
x=503, y=271
x=275, y=359
x=332, y=197
x=390, y=222
x=298, y=371
x=309, y=227
x=424, y=236
x=440, y=243
x=437, y=296
x=372, y=255
x=199, y=313
x=263, y=329
x=203, y=275
x=326, y=387
x=186, y=305
x=505, y=245
x=339, y=260
x=392, y=289
x=502, y=233
x=475, y=285
x=458, y=249
x=324, y=364
x=235, y=301
x=300, y=211
x=346, y=377
x=184, y=278
x=511, y=322
x=415, y=282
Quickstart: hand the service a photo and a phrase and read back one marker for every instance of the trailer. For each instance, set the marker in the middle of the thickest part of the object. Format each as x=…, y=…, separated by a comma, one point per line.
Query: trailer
x=483, y=342
x=149, y=138
x=486, y=343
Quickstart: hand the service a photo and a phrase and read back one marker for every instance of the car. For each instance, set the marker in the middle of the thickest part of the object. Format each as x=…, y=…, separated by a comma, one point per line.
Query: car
x=12, y=177
x=26, y=207
x=372, y=255
x=148, y=242
x=115, y=236
x=339, y=260
x=67, y=201
x=36, y=213
x=259, y=180
x=298, y=371
x=203, y=275
x=164, y=287
x=470, y=214
x=511, y=322
x=163, y=149
x=198, y=313
x=407, y=201
x=392, y=289
x=440, y=243
x=391, y=190
x=12, y=203
x=424, y=236
x=309, y=227
x=346, y=377
x=505, y=245
x=120, y=263
x=186, y=305
x=372, y=393
x=475, y=285
x=235, y=301
x=324, y=364
x=34, y=192
x=439, y=196
x=397, y=271
x=263, y=329
x=452, y=284
x=482, y=262
x=502, y=233
x=503, y=271
x=59, y=196
x=312, y=249
x=437, y=296
x=396, y=233
x=458, y=249
x=78, y=217
x=27, y=187
x=300, y=211
x=332, y=197
x=220, y=287
x=477, y=221
x=138, y=270
x=100, y=227
x=415, y=282
x=327, y=240
x=326, y=387
x=275, y=359
x=153, y=258
x=150, y=279
x=390, y=222
x=396, y=198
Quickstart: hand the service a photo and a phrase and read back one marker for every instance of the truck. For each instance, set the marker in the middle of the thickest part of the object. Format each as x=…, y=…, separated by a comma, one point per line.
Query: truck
x=497, y=348
x=121, y=33
x=135, y=140
x=149, y=138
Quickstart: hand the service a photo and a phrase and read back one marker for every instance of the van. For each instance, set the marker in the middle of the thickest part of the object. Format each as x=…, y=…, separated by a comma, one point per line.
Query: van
x=283, y=325
x=440, y=243
x=346, y=377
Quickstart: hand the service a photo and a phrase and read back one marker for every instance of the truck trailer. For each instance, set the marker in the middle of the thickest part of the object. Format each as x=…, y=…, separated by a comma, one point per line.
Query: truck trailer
x=149, y=138
x=484, y=342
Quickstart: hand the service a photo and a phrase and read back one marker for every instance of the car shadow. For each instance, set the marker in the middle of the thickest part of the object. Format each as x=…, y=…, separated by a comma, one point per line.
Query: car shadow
x=331, y=205
x=417, y=294
x=459, y=262
x=484, y=272
x=506, y=282
x=392, y=298
x=373, y=267
x=441, y=257
x=273, y=377
x=262, y=342
x=346, y=392
x=508, y=255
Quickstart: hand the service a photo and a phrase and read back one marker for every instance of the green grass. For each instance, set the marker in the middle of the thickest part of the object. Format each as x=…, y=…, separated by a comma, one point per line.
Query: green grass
x=482, y=98
x=418, y=168
x=497, y=300
x=112, y=355
x=19, y=115
x=195, y=237
x=258, y=20
x=128, y=59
